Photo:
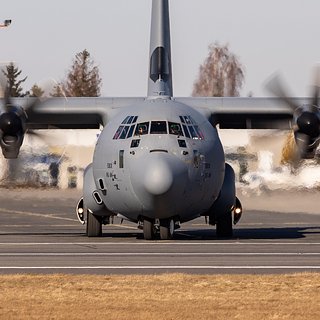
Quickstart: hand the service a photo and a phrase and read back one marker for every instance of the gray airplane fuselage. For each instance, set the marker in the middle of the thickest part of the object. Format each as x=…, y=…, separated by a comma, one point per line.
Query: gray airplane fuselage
x=160, y=159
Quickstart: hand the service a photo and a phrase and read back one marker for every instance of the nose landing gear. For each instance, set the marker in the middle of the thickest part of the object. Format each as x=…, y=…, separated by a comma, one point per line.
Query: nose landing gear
x=149, y=229
x=164, y=227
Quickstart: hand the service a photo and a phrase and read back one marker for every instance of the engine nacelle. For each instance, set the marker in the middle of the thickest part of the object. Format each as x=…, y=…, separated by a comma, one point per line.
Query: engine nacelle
x=12, y=129
x=307, y=130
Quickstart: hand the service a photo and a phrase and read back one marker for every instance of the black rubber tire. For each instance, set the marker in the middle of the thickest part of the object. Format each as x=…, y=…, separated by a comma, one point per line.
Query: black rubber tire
x=165, y=231
x=94, y=225
x=224, y=227
x=148, y=230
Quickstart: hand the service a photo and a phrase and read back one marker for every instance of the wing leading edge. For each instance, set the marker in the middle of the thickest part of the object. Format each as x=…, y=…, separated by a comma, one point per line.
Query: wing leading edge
x=73, y=113
x=246, y=113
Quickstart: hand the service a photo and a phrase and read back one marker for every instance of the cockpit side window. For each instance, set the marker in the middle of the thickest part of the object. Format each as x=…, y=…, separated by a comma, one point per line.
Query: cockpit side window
x=189, y=125
x=158, y=127
x=130, y=119
x=175, y=128
x=185, y=130
x=142, y=129
x=130, y=133
x=187, y=120
x=125, y=130
x=199, y=132
x=118, y=132
x=193, y=133
x=125, y=121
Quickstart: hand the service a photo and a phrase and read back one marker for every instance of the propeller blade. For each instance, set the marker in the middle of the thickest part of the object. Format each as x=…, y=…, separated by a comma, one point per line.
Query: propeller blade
x=301, y=145
x=275, y=85
x=43, y=136
x=316, y=86
x=6, y=92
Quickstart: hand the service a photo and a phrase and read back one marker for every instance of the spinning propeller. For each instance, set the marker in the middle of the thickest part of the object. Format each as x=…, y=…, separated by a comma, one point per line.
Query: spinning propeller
x=13, y=120
x=306, y=117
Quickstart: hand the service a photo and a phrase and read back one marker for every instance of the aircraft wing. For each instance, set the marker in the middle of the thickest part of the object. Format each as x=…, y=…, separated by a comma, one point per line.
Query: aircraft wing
x=246, y=113
x=20, y=114
x=71, y=113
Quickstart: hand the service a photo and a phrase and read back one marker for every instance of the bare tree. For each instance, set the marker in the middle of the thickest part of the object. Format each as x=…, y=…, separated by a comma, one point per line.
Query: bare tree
x=58, y=91
x=220, y=75
x=83, y=79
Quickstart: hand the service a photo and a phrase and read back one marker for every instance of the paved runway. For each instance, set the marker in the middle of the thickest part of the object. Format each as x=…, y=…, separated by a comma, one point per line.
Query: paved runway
x=40, y=234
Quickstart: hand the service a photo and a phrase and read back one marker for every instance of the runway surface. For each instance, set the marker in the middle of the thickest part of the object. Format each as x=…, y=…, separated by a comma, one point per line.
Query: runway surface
x=39, y=233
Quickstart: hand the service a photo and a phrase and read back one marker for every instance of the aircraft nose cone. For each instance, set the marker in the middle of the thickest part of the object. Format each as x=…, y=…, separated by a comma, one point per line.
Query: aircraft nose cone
x=158, y=178
x=159, y=181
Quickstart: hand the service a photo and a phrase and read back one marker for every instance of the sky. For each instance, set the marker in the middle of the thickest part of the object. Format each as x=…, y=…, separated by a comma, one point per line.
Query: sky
x=267, y=36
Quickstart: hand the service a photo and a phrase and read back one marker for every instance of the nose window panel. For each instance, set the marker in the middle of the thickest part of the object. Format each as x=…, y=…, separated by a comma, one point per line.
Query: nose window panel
x=182, y=143
x=135, y=143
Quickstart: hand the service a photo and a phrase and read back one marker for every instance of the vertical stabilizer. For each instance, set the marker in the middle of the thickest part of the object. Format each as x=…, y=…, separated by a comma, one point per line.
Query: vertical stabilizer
x=160, y=74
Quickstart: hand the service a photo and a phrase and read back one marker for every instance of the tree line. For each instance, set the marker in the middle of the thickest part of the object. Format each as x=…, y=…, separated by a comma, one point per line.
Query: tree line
x=82, y=80
x=221, y=74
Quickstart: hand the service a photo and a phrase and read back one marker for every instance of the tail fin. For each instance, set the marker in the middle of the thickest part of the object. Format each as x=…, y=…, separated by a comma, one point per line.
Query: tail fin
x=160, y=73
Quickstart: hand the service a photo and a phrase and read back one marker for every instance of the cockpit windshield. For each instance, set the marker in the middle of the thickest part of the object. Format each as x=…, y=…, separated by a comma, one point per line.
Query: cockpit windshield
x=187, y=128
x=175, y=128
x=158, y=127
x=142, y=128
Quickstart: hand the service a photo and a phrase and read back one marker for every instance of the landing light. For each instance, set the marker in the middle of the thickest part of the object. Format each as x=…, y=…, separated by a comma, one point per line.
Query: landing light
x=237, y=211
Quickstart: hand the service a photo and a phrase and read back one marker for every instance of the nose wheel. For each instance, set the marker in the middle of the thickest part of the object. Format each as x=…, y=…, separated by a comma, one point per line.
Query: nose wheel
x=149, y=232
x=165, y=227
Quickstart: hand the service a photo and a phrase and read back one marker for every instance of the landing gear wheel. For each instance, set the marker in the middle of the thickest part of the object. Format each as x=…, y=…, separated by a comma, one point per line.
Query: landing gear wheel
x=94, y=225
x=166, y=229
x=224, y=226
x=148, y=230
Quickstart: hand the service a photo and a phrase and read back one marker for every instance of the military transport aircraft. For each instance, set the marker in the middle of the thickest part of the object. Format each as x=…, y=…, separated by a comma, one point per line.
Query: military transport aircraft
x=159, y=161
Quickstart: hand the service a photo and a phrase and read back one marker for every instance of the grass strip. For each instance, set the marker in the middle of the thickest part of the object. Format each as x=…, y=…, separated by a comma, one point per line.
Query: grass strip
x=156, y=297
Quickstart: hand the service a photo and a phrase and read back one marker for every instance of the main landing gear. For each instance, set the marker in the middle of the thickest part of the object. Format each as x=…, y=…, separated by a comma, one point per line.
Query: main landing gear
x=224, y=223
x=165, y=227
x=94, y=225
x=224, y=228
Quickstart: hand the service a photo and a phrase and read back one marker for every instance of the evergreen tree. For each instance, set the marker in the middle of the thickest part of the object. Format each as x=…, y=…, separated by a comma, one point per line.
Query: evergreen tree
x=220, y=75
x=12, y=74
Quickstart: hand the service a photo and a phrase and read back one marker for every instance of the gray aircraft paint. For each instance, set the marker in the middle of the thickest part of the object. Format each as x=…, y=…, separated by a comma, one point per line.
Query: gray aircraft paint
x=160, y=39
x=130, y=191
x=159, y=179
